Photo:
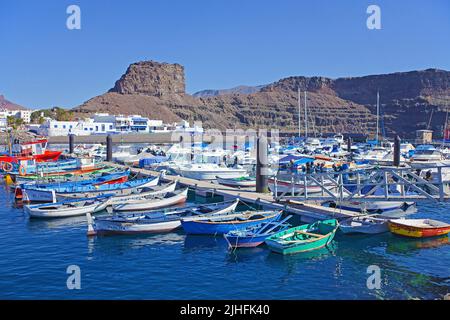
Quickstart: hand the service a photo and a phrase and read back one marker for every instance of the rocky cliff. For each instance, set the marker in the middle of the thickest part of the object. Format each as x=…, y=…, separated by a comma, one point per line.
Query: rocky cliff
x=151, y=79
x=8, y=105
x=344, y=105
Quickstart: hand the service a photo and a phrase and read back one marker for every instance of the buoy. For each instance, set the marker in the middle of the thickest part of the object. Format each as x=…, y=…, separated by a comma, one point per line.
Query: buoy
x=8, y=179
x=22, y=170
x=7, y=167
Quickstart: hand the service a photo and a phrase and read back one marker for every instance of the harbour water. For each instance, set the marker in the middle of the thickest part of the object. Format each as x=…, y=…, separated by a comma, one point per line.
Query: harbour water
x=35, y=254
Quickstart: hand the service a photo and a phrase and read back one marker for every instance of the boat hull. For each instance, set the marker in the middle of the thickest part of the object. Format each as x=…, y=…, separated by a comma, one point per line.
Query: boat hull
x=110, y=228
x=417, y=232
x=63, y=213
x=300, y=246
x=150, y=204
x=207, y=227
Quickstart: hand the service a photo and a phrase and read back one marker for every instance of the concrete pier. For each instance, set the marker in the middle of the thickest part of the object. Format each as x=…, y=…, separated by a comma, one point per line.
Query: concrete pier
x=308, y=212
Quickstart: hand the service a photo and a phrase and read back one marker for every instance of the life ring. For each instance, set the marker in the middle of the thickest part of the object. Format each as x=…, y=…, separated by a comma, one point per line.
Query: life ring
x=7, y=166
x=22, y=170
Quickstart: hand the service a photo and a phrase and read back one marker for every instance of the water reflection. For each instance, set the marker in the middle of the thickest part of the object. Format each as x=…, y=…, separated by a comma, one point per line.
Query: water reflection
x=409, y=246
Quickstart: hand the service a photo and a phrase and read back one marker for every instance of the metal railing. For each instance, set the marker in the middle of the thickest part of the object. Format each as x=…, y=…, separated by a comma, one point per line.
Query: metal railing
x=371, y=184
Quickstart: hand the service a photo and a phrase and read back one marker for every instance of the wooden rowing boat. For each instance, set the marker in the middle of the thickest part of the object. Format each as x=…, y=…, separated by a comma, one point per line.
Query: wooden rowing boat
x=303, y=238
x=364, y=224
x=69, y=208
x=419, y=228
x=153, y=201
x=256, y=235
x=221, y=224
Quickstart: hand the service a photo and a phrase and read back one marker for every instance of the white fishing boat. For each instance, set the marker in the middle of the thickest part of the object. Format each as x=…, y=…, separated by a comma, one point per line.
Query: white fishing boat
x=372, y=207
x=364, y=224
x=208, y=171
x=69, y=208
x=151, y=202
x=155, y=191
x=154, y=221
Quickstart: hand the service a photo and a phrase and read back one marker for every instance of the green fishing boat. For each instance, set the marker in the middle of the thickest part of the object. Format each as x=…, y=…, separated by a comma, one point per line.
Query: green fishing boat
x=303, y=238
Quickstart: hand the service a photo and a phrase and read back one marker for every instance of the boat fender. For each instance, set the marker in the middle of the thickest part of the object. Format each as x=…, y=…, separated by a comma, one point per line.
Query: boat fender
x=7, y=166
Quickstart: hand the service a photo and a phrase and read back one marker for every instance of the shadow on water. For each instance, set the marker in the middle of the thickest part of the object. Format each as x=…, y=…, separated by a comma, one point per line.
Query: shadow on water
x=196, y=242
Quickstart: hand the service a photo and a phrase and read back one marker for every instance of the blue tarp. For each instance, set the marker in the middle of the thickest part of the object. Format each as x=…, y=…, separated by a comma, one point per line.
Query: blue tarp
x=149, y=161
x=297, y=160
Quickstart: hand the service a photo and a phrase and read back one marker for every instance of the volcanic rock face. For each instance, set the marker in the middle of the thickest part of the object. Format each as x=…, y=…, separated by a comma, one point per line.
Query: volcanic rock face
x=151, y=79
x=346, y=105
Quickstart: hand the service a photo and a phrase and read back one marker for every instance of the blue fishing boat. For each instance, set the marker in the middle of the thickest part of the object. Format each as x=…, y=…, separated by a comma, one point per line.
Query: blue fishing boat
x=255, y=235
x=120, y=176
x=26, y=167
x=87, y=191
x=221, y=224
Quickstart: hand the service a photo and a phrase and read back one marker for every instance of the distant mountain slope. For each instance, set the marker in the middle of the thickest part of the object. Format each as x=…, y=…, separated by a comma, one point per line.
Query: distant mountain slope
x=344, y=105
x=6, y=104
x=235, y=90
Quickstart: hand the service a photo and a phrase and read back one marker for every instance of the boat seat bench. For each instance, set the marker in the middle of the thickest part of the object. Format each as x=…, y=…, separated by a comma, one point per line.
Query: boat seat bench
x=310, y=234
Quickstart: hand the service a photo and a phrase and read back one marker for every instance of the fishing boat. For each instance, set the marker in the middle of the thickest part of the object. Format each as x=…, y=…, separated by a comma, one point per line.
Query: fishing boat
x=244, y=181
x=364, y=224
x=69, y=208
x=154, y=191
x=69, y=175
x=112, y=178
x=152, y=201
x=255, y=236
x=209, y=171
x=33, y=150
x=303, y=238
x=88, y=191
x=221, y=224
x=418, y=228
x=154, y=221
x=371, y=207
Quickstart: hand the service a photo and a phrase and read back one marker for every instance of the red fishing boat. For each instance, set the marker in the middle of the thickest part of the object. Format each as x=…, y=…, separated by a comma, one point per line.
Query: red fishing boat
x=33, y=150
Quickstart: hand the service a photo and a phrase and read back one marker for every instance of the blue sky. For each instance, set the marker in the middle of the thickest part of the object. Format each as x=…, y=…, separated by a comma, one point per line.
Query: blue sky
x=220, y=43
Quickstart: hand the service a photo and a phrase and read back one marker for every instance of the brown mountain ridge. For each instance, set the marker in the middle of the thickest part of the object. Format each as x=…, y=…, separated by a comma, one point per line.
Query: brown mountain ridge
x=408, y=101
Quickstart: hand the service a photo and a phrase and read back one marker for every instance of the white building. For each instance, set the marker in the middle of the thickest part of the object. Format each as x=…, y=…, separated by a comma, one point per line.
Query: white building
x=79, y=128
x=104, y=123
x=22, y=114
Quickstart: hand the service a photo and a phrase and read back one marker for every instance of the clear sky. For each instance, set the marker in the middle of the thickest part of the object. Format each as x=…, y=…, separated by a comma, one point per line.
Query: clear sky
x=221, y=43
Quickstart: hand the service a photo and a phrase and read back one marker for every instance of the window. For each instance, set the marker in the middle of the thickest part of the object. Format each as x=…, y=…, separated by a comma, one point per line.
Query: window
x=85, y=129
x=91, y=129
x=64, y=126
x=70, y=126
x=56, y=126
x=96, y=128
x=110, y=127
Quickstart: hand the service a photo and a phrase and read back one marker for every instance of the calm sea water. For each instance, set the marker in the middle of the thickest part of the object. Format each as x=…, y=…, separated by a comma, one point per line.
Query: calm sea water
x=35, y=254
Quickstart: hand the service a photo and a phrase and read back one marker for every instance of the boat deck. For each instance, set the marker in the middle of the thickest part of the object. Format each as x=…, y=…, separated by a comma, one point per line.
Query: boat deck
x=307, y=211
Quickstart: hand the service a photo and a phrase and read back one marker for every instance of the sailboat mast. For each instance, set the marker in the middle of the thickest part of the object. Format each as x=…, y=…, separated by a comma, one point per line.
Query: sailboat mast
x=378, y=116
x=299, y=111
x=306, y=118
